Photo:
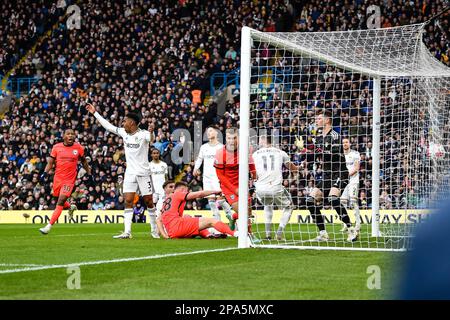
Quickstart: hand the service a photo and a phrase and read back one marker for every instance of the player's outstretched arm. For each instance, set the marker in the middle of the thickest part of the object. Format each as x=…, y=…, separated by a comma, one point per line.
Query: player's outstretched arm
x=198, y=163
x=355, y=169
x=292, y=167
x=161, y=229
x=201, y=194
x=48, y=167
x=105, y=123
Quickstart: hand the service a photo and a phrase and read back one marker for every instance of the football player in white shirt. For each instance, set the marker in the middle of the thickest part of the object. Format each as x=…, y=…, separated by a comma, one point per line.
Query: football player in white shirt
x=137, y=173
x=269, y=188
x=349, y=197
x=159, y=172
x=206, y=156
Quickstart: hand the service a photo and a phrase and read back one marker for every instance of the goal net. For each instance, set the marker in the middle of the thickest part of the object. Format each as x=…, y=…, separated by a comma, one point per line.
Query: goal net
x=364, y=117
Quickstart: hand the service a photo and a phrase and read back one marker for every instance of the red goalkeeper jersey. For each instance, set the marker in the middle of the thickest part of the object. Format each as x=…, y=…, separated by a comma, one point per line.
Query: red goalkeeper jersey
x=227, y=169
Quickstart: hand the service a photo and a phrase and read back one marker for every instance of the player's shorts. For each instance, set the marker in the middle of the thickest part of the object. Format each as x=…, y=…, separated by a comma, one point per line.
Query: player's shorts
x=350, y=191
x=64, y=188
x=336, y=180
x=211, y=184
x=281, y=198
x=232, y=197
x=183, y=227
x=133, y=183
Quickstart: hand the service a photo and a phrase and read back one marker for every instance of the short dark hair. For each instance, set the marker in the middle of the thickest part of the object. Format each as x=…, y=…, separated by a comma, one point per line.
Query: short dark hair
x=181, y=184
x=232, y=130
x=134, y=116
x=165, y=184
x=213, y=126
x=327, y=113
x=268, y=138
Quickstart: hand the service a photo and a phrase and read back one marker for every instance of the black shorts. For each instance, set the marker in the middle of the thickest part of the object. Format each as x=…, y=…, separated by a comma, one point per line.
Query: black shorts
x=337, y=180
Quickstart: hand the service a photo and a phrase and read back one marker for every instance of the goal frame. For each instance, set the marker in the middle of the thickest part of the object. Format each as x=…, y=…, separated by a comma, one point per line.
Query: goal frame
x=247, y=36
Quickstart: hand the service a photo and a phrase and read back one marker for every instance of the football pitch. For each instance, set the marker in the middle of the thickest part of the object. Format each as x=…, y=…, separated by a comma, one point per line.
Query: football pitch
x=82, y=261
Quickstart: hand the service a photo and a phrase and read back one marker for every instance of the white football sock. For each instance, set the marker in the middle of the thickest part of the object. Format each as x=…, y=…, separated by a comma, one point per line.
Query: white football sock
x=287, y=212
x=214, y=209
x=357, y=215
x=127, y=219
x=159, y=206
x=268, y=214
x=225, y=206
x=152, y=215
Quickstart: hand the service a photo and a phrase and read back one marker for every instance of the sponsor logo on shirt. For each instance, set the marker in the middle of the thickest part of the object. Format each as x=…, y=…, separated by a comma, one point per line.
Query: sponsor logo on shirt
x=158, y=172
x=133, y=145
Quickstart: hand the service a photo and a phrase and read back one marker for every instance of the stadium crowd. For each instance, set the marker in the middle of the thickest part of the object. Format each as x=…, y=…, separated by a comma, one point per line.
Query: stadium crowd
x=156, y=57
x=21, y=24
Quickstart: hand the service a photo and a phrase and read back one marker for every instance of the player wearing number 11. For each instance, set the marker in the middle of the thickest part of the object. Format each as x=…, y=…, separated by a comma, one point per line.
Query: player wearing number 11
x=269, y=188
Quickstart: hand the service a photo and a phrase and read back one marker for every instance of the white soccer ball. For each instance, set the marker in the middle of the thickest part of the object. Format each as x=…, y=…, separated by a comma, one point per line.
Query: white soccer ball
x=436, y=150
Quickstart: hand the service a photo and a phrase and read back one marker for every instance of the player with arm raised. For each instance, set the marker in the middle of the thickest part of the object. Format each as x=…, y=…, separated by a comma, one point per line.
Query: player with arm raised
x=137, y=173
x=173, y=224
x=349, y=197
x=328, y=151
x=159, y=172
x=206, y=157
x=269, y=162
x=65, y=156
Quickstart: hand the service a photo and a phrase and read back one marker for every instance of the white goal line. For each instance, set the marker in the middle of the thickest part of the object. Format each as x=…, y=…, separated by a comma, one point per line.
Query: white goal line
x=72, y=235
x=20, y=265
x=89, y=263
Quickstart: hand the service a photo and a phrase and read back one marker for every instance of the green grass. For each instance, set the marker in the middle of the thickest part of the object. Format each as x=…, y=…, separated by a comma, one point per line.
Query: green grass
x=234, y=274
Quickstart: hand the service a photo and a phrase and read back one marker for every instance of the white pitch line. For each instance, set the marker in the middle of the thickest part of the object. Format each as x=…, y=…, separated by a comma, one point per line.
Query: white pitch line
x=90, y=263
x=70, y=235
x=91, y=234
x=20, y=265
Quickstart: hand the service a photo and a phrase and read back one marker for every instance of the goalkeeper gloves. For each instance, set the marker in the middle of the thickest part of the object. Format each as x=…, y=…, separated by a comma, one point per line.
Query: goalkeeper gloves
x=299, y=142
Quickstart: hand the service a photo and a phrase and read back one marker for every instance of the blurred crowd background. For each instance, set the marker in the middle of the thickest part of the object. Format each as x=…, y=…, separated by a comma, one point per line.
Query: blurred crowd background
x=157, y=58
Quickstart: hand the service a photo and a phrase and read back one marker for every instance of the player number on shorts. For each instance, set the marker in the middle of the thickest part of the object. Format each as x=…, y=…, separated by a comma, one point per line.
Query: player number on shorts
x=272, y=163
x=150, y=186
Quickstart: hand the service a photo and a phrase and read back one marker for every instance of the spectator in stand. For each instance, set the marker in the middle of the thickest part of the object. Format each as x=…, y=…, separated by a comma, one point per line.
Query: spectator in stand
x=150, y=59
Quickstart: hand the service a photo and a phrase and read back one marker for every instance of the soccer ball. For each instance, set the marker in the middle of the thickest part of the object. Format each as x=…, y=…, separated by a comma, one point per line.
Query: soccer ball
x=436, y=150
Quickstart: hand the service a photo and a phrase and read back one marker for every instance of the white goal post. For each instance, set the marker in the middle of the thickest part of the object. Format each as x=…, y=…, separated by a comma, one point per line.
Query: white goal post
x=387, y=96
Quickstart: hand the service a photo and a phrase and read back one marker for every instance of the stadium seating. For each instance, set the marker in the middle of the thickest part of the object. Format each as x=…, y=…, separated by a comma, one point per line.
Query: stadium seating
x=156, y=59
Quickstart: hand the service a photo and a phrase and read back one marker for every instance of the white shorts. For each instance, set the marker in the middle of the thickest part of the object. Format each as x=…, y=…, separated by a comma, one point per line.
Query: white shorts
x=132, y=183
x=211, y=184
x=280, y=198
x=350, y=191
